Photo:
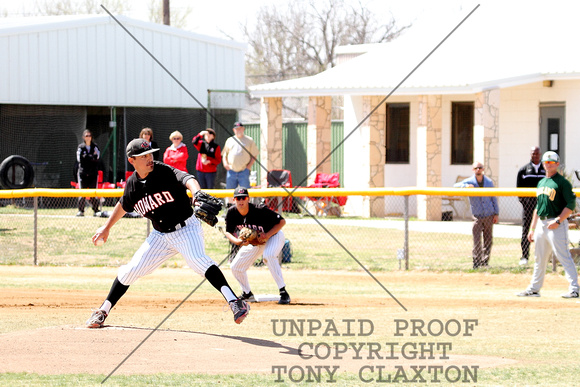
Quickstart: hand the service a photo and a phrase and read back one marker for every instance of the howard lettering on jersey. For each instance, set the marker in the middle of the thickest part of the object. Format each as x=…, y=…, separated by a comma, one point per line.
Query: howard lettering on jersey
x=551, y=192
x=152, y=202
x=253, y=227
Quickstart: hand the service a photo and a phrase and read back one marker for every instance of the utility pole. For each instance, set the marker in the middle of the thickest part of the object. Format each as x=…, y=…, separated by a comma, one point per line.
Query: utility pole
x=166, y=12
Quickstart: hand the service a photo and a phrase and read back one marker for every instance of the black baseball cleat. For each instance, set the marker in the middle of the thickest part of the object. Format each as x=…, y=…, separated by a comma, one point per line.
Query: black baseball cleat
x=528, y=293
x=241, y=309
x=572, y=294
x=284, y=298
x=248, y=297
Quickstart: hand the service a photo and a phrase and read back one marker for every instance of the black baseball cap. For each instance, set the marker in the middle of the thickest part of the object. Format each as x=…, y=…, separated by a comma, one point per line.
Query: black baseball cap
x=238, y=124
x=139, y=147
x=241, y=192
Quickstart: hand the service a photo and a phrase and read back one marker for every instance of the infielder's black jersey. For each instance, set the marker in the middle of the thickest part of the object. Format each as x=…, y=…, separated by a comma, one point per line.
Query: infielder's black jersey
x=259, y=218
x=161, y=197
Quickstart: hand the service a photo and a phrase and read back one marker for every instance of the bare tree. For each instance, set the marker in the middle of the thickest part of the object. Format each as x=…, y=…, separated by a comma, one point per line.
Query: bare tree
x=74, y=7
x=178, y=17
x=302, y=39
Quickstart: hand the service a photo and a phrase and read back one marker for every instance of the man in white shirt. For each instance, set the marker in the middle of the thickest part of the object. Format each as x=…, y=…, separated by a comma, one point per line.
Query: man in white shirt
x=238, y=156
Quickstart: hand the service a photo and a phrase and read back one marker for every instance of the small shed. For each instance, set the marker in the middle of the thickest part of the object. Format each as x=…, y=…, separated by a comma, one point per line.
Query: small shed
x=62, y=74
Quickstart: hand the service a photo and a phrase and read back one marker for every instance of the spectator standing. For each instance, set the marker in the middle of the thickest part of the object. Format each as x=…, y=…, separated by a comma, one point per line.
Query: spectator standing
x=556, y=202
x=238, y=156
x=528, y=177
x=147, y=135
x=208, y=158
x=485, y=211
x=176, y=154
x=88, y=155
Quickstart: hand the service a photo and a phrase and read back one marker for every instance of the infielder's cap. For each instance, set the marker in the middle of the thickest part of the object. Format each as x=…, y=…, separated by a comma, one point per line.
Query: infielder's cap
x=210, y=130
x=238, y=124
x=241, y=192
x=551, y=156
x=139, y=147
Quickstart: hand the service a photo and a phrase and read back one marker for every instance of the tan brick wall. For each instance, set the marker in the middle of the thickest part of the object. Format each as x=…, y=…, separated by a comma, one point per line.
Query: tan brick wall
x=271, y=136
x=429, y=154
x=319, y=120
x=487, y=116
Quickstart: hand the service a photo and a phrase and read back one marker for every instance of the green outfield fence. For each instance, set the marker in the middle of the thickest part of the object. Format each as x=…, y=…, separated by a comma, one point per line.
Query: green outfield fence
x=39, y=226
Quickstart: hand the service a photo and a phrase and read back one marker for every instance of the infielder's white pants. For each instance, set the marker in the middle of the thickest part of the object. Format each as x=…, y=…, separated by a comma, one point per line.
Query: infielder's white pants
x=249, y=253
x=557, y=241
x=159, y=247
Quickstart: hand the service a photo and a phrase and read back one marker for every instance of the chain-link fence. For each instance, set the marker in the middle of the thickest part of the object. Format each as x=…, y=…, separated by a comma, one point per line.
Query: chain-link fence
x=322, y=231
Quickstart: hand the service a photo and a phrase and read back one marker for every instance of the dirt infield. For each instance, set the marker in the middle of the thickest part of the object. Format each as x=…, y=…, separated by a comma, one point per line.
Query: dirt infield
x=90, y=351
x=48, y=336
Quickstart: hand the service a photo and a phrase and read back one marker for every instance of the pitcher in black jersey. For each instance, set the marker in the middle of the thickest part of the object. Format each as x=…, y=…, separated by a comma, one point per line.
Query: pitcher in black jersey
x=270, y=242
x=159, y=192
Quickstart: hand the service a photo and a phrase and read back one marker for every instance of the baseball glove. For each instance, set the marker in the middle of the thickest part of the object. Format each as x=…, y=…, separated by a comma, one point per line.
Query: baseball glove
x=247, y=234
x=206, y=207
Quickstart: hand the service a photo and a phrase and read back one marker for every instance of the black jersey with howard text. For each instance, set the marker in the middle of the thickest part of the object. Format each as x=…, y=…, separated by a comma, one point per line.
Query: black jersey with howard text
x=161, y=196
x=259, y=218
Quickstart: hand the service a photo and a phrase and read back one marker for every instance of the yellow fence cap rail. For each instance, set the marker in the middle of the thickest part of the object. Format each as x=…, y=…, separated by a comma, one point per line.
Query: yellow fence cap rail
x=296, y=192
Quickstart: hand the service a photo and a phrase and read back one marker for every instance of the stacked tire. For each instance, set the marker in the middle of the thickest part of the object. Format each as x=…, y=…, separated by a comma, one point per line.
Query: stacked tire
x=16, y=172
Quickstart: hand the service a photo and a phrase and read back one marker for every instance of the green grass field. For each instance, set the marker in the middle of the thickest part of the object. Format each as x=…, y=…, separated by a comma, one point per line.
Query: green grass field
x=65, y=240
x=516, y=342
x=532, y=337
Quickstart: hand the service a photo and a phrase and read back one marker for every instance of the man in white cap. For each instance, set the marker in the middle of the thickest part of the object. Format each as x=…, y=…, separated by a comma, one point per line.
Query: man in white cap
x=238, y=156
x=556, y=201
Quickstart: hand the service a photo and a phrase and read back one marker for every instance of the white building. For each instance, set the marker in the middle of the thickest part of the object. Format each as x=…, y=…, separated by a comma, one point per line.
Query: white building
x=507, y=79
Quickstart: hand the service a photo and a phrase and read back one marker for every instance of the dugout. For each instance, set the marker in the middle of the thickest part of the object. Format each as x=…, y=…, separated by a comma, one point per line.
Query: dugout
x=64, y=74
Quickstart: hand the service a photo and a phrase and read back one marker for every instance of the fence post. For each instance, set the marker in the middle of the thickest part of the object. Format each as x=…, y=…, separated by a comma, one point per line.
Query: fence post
x=406, y=215
x=35, y=230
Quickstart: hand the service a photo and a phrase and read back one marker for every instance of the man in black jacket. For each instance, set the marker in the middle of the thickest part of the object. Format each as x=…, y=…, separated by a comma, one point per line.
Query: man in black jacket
x=88, y=155
x=528, y=177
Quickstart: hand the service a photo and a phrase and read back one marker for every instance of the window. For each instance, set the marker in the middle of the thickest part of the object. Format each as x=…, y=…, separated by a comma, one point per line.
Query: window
x=397, y=133
x=462, y=132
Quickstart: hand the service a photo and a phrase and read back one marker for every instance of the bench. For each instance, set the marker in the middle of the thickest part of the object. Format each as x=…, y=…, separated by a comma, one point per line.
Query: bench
x=451, y=201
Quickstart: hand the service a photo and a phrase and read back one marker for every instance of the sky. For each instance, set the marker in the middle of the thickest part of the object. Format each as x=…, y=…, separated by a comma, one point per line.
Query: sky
x=222, y=18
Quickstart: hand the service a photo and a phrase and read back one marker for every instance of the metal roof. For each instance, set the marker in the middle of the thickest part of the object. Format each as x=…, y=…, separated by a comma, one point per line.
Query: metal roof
x=90, y=60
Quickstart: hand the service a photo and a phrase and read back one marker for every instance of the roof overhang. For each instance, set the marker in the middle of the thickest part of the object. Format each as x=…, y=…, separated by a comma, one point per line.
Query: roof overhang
x=298, y=89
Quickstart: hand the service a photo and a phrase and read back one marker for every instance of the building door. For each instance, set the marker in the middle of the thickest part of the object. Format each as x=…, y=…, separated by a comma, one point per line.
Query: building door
x=294, y=136
x=553, y=129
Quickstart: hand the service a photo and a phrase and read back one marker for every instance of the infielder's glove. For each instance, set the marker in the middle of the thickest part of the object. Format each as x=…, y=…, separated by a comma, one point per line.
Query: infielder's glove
x=206, y=207
x=247, y=234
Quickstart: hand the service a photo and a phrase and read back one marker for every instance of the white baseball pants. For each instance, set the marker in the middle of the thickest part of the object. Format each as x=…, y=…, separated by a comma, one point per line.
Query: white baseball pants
x=159, y=247
x=249, y=253
x=557, y=241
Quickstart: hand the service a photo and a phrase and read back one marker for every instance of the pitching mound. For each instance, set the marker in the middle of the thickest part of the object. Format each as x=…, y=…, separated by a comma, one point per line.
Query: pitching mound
x=70, y=349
